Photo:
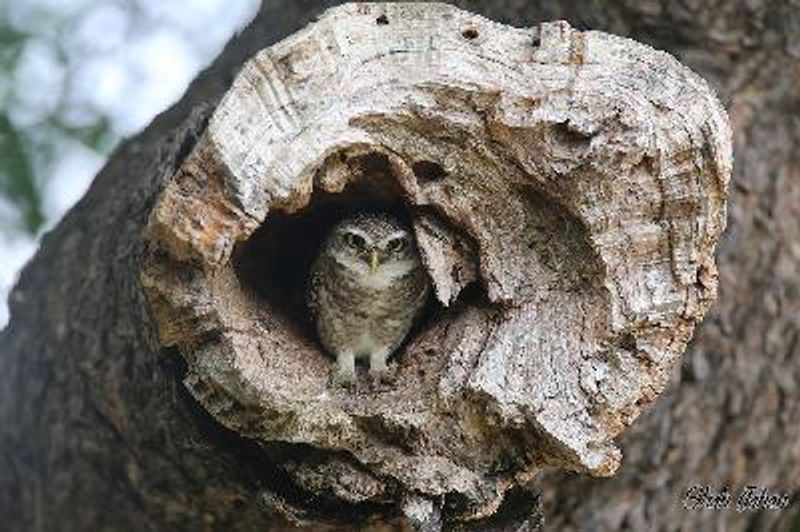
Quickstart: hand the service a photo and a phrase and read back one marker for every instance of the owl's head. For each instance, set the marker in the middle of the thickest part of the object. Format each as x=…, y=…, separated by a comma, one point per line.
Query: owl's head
x=377, y=245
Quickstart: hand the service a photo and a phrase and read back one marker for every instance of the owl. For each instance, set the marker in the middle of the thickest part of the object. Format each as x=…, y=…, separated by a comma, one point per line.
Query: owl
x=366, y=288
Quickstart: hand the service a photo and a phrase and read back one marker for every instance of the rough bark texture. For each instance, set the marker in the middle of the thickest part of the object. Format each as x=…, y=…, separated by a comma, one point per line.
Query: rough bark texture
x=97, y=431
x=588, y=171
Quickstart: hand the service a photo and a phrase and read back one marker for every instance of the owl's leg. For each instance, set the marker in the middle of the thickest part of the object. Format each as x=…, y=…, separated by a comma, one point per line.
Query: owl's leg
x=377, y=364
x=346, y=372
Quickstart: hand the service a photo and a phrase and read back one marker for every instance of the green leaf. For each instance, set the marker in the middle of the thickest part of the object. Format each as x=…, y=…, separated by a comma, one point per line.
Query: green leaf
x=17, y=181
x=11, y=37
x=11, y=43
x=95, y=136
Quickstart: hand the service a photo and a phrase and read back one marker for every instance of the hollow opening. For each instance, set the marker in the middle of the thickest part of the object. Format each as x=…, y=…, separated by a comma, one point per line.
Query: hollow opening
x=427, y=171
x=382, y=20
x=275, y=262
x=470, y=34
x=565, y=134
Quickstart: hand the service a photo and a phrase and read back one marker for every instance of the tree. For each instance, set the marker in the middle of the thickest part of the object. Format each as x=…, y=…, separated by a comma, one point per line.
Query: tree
x=93, y=409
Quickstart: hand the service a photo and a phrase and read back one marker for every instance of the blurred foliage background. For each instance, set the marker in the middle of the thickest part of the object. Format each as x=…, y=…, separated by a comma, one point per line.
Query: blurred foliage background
x=76, y=76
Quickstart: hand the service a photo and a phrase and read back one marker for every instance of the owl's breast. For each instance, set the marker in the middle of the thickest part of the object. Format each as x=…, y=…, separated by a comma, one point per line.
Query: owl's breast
x=366, y=314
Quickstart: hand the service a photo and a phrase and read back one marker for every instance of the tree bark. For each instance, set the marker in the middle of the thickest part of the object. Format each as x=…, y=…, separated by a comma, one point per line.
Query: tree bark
x=98, y=432
x=575, y=180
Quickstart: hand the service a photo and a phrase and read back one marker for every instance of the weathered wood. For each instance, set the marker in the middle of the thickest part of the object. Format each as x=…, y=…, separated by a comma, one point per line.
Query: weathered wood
x=576, y=180
x=97, y=433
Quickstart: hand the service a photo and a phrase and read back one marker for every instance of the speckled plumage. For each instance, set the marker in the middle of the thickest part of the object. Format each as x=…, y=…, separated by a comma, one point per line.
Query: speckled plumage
x=362, y=309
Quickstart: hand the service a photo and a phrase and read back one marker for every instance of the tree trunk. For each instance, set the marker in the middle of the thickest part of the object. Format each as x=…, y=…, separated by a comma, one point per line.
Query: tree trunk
x=98, y=431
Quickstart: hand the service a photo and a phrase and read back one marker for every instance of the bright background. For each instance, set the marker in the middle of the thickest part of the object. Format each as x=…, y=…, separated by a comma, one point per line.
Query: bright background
x=76, y=76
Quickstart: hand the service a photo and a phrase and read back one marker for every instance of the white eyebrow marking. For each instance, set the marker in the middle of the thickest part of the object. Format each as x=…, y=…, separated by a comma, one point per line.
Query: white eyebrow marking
x=397, y=234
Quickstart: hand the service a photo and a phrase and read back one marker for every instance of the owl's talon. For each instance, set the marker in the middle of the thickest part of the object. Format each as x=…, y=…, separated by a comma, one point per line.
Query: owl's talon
x=346, y=370
x=383, y=375
x=344, y=379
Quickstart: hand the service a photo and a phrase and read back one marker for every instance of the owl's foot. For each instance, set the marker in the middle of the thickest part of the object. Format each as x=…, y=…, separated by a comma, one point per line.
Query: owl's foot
x=378, y=370
x=384, y=375
x=346, y=372
x=381, y=373
x=344, y=378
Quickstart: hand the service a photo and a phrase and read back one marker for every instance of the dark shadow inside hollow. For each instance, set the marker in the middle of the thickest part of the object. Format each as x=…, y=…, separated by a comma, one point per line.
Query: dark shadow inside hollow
x=274, y=263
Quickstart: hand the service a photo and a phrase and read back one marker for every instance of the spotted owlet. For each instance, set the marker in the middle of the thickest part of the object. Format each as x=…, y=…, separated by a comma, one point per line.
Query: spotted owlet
x=367, y=286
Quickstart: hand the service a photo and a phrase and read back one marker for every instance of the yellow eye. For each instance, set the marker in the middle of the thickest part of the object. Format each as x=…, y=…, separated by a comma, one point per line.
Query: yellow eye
x=396, y=245
x=354, y=241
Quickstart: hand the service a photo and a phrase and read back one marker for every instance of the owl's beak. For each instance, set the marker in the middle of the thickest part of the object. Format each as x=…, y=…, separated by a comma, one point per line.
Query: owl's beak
x=373, y=261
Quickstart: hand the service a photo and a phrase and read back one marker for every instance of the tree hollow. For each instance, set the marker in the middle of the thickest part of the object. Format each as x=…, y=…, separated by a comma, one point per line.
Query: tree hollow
x=567, y=190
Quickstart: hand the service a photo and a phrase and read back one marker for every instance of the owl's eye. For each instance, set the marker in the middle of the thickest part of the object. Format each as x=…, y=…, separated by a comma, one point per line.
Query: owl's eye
x=354, y=241
x=396, y=244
